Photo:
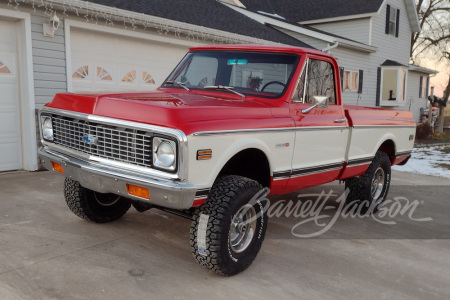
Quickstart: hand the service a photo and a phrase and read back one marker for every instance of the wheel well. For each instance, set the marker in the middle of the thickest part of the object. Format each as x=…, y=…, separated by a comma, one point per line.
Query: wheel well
x=250, y=163
x=389, y=148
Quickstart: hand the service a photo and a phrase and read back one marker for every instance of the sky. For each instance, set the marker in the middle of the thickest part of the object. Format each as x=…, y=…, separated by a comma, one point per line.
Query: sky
x=439, y=81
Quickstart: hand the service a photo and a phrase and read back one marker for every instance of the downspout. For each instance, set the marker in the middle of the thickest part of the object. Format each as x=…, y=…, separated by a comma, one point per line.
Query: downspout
x=330, y=47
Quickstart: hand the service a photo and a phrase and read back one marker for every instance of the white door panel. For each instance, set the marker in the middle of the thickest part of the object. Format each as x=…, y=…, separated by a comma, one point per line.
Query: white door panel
x=10, y=131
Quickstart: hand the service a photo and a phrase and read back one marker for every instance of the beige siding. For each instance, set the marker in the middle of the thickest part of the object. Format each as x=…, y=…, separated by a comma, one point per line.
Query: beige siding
x=356, y=30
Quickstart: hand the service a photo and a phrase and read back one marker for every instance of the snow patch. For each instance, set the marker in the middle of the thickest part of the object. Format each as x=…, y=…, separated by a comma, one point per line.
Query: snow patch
x=428, y=161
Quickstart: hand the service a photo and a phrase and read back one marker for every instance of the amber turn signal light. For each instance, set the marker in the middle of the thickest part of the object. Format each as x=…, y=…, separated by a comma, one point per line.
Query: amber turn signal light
x=204, y=154
x=138, y=191
x=57, y=167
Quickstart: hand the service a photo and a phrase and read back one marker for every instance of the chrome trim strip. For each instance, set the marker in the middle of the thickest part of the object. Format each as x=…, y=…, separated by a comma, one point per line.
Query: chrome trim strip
x=316, y=172
x=384, y=126
x=359, y=162
x=269, y=130
x=175, y=133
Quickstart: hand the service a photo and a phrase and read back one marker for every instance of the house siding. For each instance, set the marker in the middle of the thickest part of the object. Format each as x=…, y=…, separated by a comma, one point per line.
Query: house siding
x=352, y=29
x=355, y=61
x=414, y=101
x=49, y=61
x=389, y=46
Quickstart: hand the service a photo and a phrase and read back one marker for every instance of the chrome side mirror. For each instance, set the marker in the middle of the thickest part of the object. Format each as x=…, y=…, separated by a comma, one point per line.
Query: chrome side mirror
x=319, y=101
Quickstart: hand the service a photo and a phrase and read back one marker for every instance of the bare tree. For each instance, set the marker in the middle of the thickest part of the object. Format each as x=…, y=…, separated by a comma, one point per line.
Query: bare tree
x=434, y=18
x=433, y=41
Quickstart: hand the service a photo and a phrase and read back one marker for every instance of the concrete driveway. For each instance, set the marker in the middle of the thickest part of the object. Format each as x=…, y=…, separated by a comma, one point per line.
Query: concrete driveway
x=46, y=252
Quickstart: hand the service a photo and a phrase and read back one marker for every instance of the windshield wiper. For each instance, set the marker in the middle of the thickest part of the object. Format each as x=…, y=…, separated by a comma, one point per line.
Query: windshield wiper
x=221, y=87
x=179, y=84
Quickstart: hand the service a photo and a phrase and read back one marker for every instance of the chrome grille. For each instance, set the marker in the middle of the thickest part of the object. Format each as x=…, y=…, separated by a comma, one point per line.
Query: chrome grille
x=119, y=144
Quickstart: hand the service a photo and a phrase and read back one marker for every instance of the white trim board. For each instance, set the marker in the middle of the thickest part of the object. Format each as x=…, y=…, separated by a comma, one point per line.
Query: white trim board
x=27, y=101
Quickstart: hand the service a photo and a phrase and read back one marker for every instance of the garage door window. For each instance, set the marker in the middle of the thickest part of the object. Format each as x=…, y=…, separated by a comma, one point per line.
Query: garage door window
x=4, y=69
x=148, y=78
x=81, y=73
x=102, y=74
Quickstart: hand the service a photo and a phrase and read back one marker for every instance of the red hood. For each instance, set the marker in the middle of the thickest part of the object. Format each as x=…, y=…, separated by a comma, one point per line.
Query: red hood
x=190, y=112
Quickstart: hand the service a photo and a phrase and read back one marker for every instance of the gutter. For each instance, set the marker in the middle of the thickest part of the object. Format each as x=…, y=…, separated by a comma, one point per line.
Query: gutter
x=305, y=31
x=86, y=9
x=330, y=47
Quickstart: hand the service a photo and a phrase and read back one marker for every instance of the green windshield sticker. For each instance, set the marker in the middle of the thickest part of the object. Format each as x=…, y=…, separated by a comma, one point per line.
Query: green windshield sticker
x=235, y=61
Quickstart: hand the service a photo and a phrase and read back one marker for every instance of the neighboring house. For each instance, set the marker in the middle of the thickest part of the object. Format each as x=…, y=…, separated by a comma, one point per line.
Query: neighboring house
x=99, y=45
x=370, y=39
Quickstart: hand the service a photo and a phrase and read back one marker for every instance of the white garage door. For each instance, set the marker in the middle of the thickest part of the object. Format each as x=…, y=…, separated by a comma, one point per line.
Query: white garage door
x=102, y=61
x=10, y=133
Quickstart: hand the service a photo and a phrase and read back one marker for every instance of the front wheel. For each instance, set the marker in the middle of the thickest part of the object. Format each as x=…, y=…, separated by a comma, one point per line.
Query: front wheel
x=369, y=190
x=93, y=206
x=228, y=230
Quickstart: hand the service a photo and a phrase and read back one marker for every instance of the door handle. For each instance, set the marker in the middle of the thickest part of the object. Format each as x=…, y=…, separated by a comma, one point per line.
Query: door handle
x=340, y=120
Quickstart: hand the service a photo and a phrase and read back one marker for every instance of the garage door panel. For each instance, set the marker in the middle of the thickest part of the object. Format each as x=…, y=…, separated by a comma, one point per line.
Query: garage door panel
x=8, y=94
x=11, y=155
x=149, y=61
x=10, y=123
x=7, y=36
x=10, y=131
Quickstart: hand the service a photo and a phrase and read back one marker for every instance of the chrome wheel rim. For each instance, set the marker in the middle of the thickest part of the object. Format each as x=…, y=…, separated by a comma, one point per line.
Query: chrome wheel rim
x=106, y=199
x=377, y=183
x=242, y=228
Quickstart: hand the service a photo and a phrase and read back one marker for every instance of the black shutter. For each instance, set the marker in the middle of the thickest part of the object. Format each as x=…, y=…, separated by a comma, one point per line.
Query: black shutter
x=377, y=101
x=388, y=13
x=428, y=87
x=397, y=24
x=420, y=87
x=360, y=84
x=341, y=73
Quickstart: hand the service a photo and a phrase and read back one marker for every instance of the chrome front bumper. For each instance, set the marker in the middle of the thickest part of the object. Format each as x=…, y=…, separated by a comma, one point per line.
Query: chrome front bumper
x=104, y=179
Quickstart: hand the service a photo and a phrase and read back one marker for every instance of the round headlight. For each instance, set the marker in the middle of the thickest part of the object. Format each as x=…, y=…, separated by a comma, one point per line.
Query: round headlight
x=165, y=154
x=47, y=129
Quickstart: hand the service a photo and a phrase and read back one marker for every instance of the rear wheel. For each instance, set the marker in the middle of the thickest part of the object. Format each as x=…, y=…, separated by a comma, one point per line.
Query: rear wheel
x=228, y=230
x=369, y=190
x=93, y=206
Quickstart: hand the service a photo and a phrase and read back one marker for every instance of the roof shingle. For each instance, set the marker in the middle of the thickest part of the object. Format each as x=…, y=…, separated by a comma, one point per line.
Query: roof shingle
x=306, y=10
x=207, y=13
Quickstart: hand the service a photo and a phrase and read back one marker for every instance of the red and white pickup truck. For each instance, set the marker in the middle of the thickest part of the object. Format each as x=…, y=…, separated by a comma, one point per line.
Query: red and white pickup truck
x=228, y=122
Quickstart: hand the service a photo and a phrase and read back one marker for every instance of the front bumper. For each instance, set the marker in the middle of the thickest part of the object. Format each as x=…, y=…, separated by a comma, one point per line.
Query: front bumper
x=104, y=179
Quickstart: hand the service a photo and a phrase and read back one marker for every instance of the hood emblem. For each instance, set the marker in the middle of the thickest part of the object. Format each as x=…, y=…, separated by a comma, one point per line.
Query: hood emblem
x=90, y=139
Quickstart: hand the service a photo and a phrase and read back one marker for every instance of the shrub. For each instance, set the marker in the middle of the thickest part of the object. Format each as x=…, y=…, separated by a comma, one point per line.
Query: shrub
x=423, y=131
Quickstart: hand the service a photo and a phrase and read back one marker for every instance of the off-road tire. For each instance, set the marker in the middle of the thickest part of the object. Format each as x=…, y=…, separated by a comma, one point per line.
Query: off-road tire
x=84, y=203
x=361, y=192
x=227, y=197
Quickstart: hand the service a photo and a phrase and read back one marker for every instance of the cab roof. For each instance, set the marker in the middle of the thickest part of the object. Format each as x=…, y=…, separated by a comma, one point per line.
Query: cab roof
x=260, y=48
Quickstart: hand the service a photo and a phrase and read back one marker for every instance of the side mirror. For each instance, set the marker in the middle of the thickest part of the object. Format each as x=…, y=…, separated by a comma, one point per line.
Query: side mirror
x=319, y=101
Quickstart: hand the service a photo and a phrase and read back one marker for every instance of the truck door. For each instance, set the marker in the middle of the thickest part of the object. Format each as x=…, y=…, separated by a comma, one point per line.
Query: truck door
x=322, y=132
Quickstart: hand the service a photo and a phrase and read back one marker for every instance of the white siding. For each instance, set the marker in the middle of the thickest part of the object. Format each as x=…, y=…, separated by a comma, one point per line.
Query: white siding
x=389, y=46
x=356, y=30
x=413, y=101
x=49, y=61
x=355, y=61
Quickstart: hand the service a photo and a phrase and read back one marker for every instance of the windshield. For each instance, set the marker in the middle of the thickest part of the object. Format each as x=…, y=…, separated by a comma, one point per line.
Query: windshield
x=249, y=73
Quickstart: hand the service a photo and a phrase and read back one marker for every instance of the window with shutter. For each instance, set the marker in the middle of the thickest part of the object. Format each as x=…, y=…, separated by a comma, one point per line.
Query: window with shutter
x=392, y=21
